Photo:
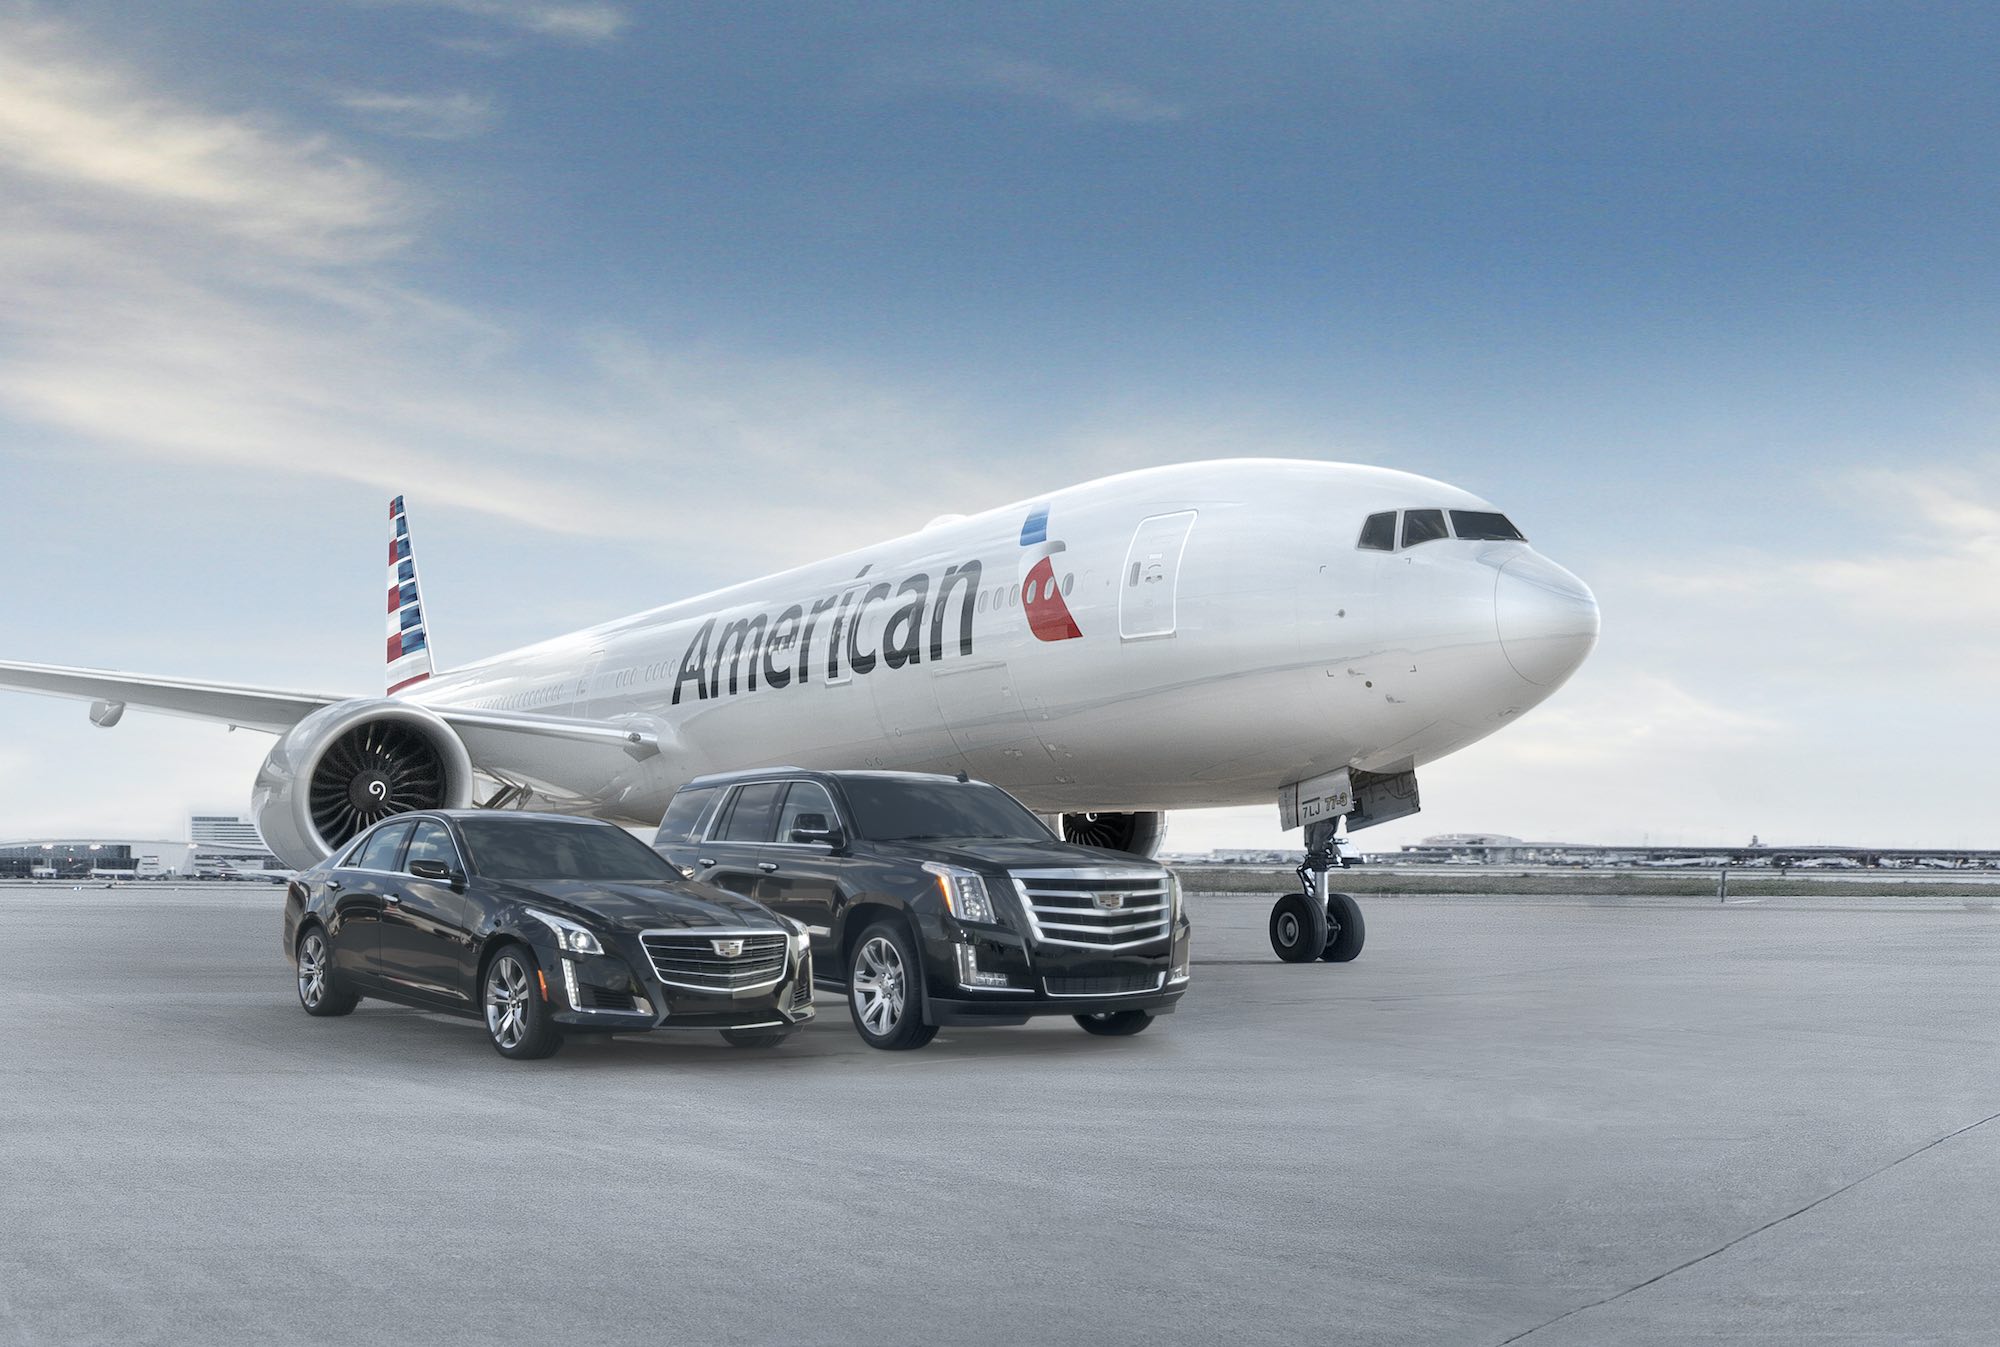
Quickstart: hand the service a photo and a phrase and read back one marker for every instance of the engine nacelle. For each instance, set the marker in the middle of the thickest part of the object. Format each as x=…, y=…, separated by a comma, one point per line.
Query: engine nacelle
x=1141, y=834
x=350, y=765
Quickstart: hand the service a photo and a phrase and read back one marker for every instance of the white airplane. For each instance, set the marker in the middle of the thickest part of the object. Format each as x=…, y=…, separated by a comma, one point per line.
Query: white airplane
x=1219, y=633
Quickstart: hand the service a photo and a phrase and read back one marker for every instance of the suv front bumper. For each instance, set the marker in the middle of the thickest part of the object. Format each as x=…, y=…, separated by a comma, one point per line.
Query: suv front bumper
x=1046, y=980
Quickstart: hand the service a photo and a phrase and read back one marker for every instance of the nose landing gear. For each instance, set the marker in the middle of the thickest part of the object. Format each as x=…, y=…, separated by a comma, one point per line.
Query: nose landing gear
x=1316, y=924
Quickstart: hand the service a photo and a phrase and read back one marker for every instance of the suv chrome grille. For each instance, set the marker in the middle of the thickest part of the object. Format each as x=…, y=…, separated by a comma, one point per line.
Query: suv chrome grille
x=1095, y=909
x=690, y=959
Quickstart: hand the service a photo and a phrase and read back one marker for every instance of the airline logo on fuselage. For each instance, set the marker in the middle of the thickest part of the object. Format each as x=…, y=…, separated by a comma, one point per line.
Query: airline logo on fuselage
x=1041, y=597
x=776, y=651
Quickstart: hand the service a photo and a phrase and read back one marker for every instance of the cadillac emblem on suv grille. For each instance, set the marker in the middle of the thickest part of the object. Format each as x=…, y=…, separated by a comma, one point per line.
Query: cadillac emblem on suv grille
x=1109, y=902
x=728, y=949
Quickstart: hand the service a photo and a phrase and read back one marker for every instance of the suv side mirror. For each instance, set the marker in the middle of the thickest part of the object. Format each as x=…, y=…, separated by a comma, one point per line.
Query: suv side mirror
x=809, y=828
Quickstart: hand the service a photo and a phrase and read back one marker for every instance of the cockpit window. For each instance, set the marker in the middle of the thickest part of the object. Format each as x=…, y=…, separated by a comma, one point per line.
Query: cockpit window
x=1485, y=526
x=1379, y=533
x=1422, y=526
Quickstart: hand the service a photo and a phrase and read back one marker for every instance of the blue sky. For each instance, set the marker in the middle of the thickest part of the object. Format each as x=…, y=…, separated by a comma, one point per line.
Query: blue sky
x=632, y=299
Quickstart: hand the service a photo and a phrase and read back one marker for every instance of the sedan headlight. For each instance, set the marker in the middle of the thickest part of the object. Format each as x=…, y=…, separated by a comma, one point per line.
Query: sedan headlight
x=964, y=893
x=570, y=937
x=801, y=934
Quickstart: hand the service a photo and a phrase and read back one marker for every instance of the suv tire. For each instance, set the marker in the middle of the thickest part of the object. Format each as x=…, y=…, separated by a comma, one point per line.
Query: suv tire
x=885, y=989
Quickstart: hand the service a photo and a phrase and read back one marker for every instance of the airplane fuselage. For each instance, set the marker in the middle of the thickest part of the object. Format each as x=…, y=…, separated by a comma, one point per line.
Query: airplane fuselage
x=1172, y=638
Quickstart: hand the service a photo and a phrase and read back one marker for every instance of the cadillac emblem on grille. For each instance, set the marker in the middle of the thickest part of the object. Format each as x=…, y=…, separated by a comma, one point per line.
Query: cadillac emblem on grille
x=1110, y=902
x=728, y=949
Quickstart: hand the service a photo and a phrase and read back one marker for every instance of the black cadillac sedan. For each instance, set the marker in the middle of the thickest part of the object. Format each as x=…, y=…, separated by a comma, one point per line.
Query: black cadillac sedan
x=544, y=927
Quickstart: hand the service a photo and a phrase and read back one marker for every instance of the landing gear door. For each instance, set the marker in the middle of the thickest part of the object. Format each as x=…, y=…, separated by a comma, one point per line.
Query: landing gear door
x=1147, y=592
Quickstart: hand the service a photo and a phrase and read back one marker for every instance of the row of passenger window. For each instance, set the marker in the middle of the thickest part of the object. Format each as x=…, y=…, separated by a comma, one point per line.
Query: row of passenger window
x=1378, y=532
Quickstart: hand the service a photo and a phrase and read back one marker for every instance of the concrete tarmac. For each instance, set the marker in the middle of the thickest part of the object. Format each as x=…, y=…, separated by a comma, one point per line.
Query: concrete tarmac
x=1543, y=1121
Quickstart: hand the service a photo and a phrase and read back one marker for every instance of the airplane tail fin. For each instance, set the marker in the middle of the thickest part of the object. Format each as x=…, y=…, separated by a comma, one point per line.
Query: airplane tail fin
x=409, y=646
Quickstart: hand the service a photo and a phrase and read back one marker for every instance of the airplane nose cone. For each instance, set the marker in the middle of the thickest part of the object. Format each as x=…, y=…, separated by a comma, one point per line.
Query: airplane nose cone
x=1547, y=619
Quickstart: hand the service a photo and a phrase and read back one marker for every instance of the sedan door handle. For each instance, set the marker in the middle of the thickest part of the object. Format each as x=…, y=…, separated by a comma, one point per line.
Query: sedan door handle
x=767, y=866
x=333, y=886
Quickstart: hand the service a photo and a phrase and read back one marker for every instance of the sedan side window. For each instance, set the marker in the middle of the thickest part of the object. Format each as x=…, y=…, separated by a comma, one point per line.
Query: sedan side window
x=753, y=816
x=1423, y=526
x=805, y=797
x=431, y=842
x=380, y=853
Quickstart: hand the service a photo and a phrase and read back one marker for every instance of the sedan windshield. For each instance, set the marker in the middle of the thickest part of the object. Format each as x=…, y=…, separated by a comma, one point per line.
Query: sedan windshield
x=529, y=850
x=887, y=810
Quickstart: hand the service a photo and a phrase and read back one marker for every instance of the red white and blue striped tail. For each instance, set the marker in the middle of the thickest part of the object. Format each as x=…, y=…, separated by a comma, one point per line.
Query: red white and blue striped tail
x=409, y=646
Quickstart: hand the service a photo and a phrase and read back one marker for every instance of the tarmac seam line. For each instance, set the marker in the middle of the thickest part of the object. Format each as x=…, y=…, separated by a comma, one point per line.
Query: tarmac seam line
x=1768, y=1225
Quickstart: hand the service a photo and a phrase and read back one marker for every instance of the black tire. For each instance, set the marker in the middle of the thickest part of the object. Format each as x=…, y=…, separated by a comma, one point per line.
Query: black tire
x=885, y=993
x=512, y=981
x=1115, y=1023
x=1347, y=933
x=321, y=989
x=1298, y=929
x=754, y=1038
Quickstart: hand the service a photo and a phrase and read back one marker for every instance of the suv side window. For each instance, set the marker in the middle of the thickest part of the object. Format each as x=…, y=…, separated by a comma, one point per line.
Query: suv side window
x=805, y=797
x=431, y=842
x=685, y=816
x=753, y=814
x=380, y=853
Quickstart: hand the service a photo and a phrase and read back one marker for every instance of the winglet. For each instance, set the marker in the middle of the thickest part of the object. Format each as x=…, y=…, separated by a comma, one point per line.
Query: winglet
x=409, y=647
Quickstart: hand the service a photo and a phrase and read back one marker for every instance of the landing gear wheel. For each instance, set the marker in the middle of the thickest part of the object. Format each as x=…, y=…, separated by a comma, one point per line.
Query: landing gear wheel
x=1298, y=929
x=1115, y=1023
x=517, y=1018
x=320, y=989
x=883, y=991
x=752, y=1038
x=1346, y=931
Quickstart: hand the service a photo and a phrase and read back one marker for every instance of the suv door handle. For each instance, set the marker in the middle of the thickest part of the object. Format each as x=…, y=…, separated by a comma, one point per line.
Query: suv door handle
x=392, y=898
x=767, y=866
x=704, y=861
x=333, y=886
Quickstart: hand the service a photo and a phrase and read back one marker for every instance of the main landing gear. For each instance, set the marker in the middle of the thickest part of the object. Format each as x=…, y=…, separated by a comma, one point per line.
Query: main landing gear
x=1315, y=924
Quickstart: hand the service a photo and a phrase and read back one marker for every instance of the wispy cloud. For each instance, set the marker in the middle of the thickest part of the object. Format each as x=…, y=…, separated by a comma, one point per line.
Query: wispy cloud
x=109, y=148
x=444, y=116
x=571, y=20
x=1086, y=96
x=185, y=285
x=1077, y=94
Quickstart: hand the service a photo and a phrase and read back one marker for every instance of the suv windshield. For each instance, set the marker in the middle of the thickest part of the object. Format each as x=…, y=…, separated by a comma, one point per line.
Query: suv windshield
x=885, y=810
x=528, y=850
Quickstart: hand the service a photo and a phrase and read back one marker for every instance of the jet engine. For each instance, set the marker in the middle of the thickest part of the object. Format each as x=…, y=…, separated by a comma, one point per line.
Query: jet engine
x=351, y=765
x=1141, y=834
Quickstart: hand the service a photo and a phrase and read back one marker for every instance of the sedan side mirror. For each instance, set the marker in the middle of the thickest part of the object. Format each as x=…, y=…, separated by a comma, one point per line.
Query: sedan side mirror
x=437, y=872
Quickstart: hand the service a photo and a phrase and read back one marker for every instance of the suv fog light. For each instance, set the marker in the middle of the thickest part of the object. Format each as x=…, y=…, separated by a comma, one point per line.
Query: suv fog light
x=1183, y=956
x=969, y=974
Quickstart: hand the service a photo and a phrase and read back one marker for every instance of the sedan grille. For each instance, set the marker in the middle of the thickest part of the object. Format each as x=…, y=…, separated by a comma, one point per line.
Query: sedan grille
x=1095, y=909
x=691, y=960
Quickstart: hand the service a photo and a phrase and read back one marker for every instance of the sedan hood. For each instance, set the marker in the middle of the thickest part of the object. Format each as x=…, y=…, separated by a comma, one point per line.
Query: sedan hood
x=647, y=905
x=1000, y=854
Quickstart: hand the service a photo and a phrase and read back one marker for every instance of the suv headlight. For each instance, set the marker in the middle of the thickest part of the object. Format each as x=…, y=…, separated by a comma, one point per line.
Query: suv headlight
x=1173, y=900
x=570, y=937
x=964, y=893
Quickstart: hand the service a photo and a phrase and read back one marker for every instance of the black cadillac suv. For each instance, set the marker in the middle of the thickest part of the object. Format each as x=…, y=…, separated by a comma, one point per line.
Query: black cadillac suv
x=543, y=927
x=934, y=900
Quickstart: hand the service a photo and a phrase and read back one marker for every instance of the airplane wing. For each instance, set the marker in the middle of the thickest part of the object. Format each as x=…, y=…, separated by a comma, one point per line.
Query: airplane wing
x=489, y=735
x=253, y=708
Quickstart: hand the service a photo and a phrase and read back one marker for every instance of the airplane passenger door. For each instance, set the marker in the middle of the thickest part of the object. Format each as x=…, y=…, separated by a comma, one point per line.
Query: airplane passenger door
x=581, y=698
x=1148, y=589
